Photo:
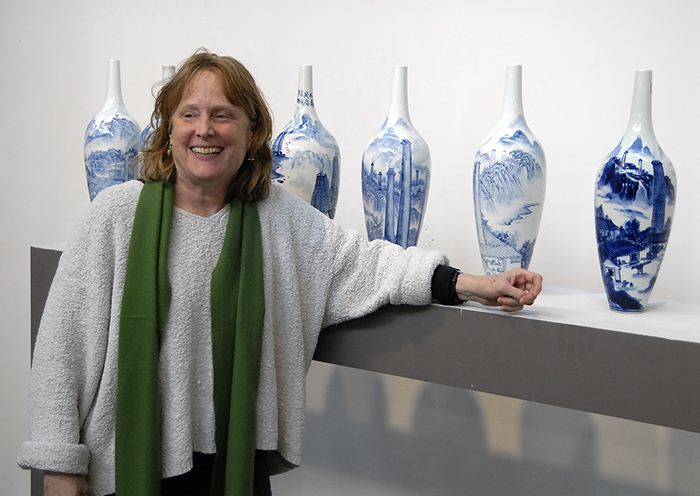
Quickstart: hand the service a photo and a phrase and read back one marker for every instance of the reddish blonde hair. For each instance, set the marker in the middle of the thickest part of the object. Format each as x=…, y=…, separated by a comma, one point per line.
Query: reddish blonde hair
x=252, y=182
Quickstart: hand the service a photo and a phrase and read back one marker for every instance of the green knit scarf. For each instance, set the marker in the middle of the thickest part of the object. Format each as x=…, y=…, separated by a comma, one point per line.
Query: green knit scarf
x=237, y=312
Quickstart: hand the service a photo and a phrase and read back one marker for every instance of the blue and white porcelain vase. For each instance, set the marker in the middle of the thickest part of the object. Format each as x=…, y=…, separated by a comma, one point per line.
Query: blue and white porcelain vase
x=168, y=72
x=111, y=140
x=396, y=173
x=306, y=156
x=509, y=185
x=634, y=202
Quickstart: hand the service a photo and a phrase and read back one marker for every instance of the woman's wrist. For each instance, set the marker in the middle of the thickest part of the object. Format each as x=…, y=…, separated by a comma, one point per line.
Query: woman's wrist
x=466, y=287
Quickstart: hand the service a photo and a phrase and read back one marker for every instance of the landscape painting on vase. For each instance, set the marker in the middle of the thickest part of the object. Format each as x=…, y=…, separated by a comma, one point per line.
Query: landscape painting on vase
x=307, y=162
x=106, y=165
x=635, y=199
x=509, y=184
x=395, y=182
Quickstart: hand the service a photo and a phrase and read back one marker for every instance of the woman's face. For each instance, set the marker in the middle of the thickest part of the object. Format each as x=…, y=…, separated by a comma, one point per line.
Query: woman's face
x=209, y=137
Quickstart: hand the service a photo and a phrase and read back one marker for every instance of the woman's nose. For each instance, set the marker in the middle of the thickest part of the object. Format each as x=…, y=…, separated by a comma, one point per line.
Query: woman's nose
x=204, y=126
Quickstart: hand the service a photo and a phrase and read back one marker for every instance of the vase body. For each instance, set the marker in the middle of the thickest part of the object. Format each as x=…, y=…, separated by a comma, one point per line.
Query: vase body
x=306, y=157
x=634, y=202
x=396, y=173
x=509, y=186
x=168, y=72
x=111, y=140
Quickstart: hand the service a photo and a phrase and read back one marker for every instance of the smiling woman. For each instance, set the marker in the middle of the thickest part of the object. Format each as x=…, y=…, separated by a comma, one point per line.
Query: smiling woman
x=172, y=355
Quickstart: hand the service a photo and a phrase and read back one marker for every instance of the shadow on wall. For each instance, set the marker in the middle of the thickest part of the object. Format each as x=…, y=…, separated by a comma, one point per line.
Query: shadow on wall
x=446, y=453
x=684, y=471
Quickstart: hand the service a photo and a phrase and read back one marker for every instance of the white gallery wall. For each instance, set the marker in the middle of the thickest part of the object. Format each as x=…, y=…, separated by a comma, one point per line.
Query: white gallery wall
x=578, y=63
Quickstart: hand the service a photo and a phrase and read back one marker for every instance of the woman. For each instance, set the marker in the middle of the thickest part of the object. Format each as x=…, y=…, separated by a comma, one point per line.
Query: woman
x=185, y=312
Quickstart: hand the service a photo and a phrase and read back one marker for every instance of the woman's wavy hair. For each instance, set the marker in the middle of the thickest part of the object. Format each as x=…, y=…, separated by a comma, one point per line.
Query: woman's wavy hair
x=252, y=182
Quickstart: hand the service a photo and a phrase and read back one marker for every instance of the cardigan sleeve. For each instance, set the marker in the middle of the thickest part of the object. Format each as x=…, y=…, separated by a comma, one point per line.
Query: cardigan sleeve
x=72, y=342
x=343, y=273
x=367, y=275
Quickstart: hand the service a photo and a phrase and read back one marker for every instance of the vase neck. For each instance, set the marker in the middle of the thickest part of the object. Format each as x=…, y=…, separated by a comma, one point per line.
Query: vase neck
x=168, y=72
x=305, y=94
x=114, y=86
x=640, y=123
x=398, y=106
x=513, y=95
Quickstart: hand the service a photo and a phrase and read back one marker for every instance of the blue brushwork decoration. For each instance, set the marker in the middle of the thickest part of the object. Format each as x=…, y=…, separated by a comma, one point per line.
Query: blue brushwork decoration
x=509, y=186
x=635, y=198
x=306, y=156
x=396, y=173
x=111, y=140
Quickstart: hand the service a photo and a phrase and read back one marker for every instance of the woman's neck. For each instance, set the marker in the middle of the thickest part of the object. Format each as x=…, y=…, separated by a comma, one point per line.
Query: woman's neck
x=204, y=202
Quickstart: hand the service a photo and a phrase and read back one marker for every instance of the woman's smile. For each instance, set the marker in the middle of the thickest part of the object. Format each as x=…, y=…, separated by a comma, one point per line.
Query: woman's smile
x=206, y=151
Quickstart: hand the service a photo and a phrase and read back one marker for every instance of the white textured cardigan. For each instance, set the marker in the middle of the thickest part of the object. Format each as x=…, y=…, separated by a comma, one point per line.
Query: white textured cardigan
x=316, y=274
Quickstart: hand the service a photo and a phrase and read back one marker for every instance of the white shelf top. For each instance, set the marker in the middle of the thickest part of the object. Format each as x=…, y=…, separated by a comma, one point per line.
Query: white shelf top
x=673, y=320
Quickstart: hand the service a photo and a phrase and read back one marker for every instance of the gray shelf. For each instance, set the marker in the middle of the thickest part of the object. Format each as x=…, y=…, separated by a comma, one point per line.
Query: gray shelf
x=568, y=350
x=640, y=377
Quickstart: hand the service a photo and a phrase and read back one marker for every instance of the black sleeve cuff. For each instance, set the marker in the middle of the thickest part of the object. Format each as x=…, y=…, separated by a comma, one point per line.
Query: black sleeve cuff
x=443, y=285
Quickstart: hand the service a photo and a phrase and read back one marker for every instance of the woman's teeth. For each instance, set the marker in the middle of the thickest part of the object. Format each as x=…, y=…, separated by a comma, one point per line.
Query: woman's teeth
x=206, y=151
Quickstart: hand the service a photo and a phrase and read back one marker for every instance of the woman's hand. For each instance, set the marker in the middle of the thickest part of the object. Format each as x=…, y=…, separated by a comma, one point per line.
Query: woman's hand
x=57, y=484
x=510, y=290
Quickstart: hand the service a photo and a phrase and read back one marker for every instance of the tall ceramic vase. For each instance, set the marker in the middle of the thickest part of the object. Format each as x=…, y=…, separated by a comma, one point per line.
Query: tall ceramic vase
x=634, y=202
x=396, y=173
x=168, y=72
x=111, y=139
x=306, y=156
x=509, y=185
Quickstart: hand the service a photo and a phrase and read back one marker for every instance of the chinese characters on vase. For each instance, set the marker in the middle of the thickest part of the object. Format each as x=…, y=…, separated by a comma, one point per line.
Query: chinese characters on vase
x=306, y=156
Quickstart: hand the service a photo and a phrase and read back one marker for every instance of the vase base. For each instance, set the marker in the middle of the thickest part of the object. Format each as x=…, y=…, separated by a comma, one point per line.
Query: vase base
x=626, y=310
